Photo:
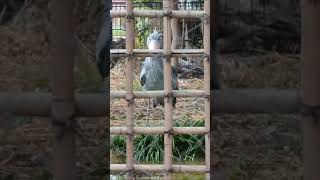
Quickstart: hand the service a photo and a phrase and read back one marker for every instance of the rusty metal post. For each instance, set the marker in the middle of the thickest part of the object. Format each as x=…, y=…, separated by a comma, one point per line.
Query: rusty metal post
x=129, y=96
x=206, y=63
x=62, y=109
x=168, y=89
x=310, y=54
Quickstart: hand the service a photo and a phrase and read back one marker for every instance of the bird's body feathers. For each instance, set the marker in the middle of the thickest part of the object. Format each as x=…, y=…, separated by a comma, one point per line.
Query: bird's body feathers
x=152, y=78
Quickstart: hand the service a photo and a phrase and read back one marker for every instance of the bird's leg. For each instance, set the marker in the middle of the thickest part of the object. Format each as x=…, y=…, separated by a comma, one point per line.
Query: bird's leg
x=155, y=103
x=161, y=102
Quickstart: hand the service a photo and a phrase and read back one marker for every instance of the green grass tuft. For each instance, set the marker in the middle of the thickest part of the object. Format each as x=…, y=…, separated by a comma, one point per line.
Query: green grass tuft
x=150, y=148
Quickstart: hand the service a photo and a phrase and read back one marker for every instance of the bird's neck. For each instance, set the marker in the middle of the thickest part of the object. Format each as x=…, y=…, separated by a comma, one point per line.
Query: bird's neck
x=157, y=59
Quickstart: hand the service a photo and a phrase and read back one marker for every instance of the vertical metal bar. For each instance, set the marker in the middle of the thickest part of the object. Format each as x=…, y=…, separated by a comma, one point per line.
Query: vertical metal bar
x=129, y=73
x=63, y=109
x=108, y=7
x=206, y=42
x=168, y=89
x=311, y=85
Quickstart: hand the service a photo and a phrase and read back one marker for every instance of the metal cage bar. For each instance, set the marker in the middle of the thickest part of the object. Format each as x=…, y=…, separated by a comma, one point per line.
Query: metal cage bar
x=62, y=107
x=94, y=105
x=310, y=14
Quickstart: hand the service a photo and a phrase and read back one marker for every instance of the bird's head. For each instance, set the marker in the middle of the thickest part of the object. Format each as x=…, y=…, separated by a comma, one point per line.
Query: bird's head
x=154, y=40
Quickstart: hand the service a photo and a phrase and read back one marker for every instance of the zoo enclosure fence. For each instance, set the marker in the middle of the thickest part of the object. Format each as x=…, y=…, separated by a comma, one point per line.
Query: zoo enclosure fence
x=63, y=105
x=168, y=131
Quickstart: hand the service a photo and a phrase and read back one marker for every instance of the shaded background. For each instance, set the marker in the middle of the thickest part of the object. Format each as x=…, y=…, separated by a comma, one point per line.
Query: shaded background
x=258, y=48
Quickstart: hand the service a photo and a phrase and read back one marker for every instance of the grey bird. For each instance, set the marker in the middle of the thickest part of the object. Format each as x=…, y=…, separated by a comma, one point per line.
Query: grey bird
x=152, y=76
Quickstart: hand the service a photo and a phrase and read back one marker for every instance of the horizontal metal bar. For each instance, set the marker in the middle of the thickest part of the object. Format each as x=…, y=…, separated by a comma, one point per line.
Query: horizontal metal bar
x=151, y=94
x=231, y=101
x=160, y=168
x=159, y=13
x=149, y=53
x=158, y=130
x=39, y=104
x=225, y=101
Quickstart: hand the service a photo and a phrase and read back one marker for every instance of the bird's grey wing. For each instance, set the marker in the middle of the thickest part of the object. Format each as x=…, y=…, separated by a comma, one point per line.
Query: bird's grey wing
x=104, y=41
x=174, y=78
x=174, y=70
x=175, y=85
x=143, y=79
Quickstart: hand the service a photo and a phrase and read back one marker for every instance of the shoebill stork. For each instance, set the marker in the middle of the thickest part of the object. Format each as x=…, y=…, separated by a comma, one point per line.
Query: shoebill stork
x=152, y=76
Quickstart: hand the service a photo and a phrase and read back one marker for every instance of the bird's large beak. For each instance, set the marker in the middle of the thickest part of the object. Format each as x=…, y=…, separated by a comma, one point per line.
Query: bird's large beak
x=153, y=44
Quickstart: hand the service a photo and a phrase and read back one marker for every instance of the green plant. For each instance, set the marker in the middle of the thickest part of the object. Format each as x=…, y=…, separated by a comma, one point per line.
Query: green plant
x=143, y=31
x=143, y=24
x=188, y=147
x=118, y=32
x=118, y=144
x=149, y=148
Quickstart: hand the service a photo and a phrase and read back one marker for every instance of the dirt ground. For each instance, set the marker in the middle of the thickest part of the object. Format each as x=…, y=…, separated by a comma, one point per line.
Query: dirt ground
x=265, y=146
